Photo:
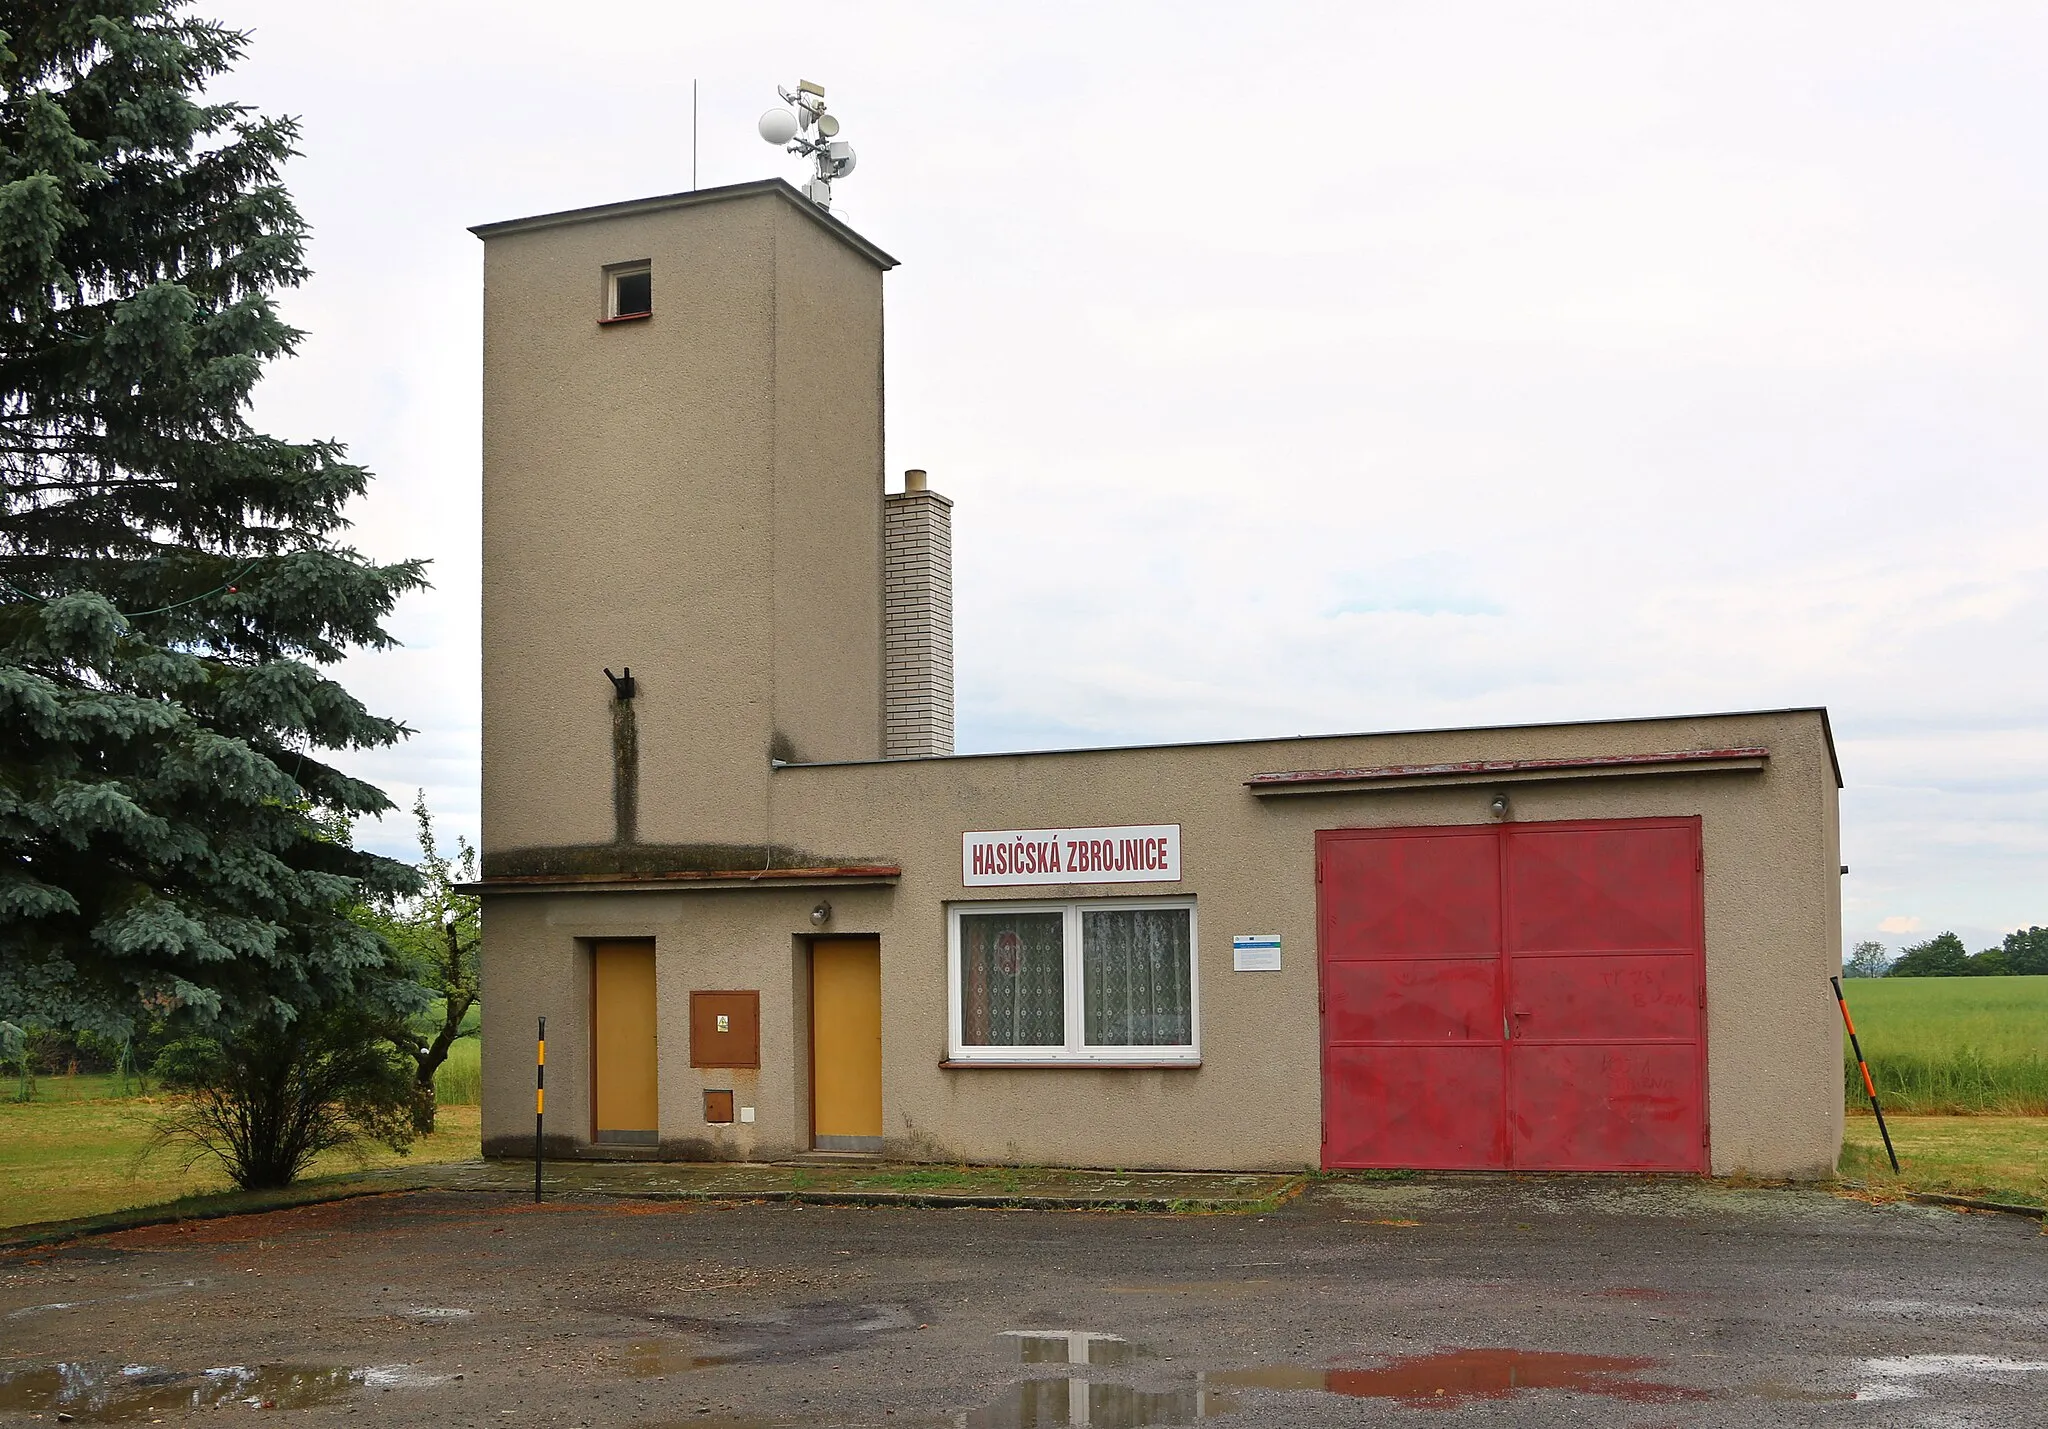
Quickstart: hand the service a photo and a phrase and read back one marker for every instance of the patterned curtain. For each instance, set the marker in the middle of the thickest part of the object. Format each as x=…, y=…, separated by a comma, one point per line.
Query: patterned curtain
x=1012, y=980
x=1137, y=977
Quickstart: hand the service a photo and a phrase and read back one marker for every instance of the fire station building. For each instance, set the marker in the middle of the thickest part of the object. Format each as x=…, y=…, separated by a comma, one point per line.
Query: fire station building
x=729, y=853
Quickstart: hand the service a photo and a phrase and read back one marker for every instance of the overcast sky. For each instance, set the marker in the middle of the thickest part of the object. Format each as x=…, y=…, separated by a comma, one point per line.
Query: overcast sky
x=1313, y=368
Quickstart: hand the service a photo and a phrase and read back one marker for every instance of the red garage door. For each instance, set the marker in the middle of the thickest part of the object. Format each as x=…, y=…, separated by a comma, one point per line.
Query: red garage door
x=1514, y=995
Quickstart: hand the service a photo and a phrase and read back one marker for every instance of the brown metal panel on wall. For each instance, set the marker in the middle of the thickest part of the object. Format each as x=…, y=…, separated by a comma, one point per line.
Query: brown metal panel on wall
x=725, y=1029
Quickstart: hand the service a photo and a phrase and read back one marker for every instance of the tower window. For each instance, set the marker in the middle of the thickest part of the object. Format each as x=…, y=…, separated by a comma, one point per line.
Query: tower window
x=629, y=292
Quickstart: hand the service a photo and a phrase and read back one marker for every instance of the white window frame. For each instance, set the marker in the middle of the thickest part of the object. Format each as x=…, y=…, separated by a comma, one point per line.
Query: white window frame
x=1076, y=1051
x=612, y=274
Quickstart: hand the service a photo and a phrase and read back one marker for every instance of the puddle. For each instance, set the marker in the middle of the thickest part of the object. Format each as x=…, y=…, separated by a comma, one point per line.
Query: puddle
x=1775, y=1392
x=1948, y=1310
x=400, y=1376
x=156, y=1292
x=1452, y=1377
x=1901, y=1377
x=1072, y=1347
x=108, y=1393
x=436, y=1314
x=645, y=1359
x=1444, y=1379
x=796, y=1332
x=1039, y=1403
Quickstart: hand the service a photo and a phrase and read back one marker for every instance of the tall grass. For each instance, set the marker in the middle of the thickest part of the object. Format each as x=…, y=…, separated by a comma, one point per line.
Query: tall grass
x=459, y=1081
x=1964, y=1083
x=1953, y=1045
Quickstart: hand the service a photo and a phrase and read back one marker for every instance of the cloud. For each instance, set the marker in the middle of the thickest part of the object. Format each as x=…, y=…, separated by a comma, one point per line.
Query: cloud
x=1899, y=924
x=1543, y=369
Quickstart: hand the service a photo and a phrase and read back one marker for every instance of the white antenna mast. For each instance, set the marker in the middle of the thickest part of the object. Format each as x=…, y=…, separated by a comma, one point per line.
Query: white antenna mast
x=831, y=156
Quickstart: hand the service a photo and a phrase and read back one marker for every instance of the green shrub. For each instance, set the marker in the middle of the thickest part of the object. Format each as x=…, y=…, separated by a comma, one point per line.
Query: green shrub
x=265, y=1098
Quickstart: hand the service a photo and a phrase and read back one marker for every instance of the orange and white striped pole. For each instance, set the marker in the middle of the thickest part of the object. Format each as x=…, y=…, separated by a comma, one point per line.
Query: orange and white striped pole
x=540, y=1099
x=1864, y=1067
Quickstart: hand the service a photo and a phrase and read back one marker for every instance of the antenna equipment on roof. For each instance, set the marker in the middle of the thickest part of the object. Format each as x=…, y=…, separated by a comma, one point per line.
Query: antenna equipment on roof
x=793, y=128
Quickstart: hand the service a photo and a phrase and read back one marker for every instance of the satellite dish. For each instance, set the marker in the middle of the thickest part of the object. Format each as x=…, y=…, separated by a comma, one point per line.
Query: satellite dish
x=831, y=157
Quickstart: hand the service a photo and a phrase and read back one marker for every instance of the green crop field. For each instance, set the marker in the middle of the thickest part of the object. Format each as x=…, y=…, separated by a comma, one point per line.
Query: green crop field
x=460, y=1080
x=1952, y=1045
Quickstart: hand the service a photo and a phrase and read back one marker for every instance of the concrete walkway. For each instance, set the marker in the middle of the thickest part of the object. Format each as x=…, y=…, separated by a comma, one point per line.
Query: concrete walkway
x=862, y=1183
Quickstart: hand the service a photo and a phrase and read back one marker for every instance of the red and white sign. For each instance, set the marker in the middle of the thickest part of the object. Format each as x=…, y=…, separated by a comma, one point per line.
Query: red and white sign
x=1130, y=853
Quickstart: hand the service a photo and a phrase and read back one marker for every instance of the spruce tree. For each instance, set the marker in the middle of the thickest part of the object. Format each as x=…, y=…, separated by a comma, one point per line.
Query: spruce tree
x=171, y=579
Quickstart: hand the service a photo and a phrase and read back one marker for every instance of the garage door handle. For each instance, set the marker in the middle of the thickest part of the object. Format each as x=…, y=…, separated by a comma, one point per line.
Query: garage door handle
x=1521, y=1012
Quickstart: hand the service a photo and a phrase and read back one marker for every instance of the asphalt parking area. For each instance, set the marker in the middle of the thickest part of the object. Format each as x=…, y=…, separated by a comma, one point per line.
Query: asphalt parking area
x=1432, y=1302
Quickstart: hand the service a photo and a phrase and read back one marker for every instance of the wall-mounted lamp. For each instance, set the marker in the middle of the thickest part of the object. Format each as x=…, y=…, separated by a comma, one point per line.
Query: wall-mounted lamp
x=623, y=686
x=822, y=914
x=1499, y=806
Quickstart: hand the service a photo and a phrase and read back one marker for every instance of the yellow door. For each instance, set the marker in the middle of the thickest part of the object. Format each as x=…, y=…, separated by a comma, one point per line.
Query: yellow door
x=622, y=1043
x=846, y=1044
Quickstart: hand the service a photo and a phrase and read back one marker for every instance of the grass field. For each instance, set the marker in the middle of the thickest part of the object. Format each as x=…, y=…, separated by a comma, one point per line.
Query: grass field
x=1942, y=1045
x=1995, y=1158
x=74, y=1157
x=1952, y=1045
x=75, y=1150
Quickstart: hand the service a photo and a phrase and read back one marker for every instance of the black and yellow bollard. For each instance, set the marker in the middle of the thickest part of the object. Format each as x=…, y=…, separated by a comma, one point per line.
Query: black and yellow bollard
x=540, y=1099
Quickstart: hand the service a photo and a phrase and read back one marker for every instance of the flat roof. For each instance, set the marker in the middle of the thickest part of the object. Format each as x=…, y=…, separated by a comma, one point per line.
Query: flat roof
x=663, y=202
x=1826, y=727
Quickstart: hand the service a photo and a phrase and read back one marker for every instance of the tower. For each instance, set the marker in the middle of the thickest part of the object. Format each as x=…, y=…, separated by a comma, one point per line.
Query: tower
x=682, y=476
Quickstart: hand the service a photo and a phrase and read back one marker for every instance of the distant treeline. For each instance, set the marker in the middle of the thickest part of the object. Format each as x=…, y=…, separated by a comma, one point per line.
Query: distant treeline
x=2022, y=954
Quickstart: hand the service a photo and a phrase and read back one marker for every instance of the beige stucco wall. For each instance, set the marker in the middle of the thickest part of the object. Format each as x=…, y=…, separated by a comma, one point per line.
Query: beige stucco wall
x=696, y=495
x=699, y=496
x=828, y=495
x=1772, y=930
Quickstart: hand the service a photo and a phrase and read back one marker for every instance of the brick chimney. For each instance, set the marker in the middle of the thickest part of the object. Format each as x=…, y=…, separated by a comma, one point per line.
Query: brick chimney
x=917, y=621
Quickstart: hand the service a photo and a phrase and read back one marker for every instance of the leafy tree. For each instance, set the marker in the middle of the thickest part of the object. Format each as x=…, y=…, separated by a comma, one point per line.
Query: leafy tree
x=438, y=934
x=1988, y=963
x=2026, y=952
x=266, y=1097
x=1866, y=959
x=1940, y=956
x=171, y=582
